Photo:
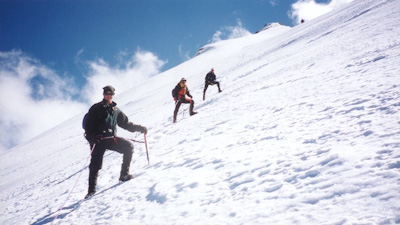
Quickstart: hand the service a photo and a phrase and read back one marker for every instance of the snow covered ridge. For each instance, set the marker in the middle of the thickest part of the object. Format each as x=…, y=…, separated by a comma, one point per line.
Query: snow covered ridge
x=306, y=131
x=275, y=29
x=269, y=25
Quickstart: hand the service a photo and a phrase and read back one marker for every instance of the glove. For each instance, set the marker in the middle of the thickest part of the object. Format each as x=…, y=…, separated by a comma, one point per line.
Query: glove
x=143, y=129
x=190, y=96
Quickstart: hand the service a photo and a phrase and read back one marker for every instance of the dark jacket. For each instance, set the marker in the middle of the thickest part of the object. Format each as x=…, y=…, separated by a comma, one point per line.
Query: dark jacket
x=180, y=91
x=102, y=119
x=210, y=77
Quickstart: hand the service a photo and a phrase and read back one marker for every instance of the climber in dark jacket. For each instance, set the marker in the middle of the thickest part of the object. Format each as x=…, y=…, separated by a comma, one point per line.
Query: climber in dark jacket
x=210, y=79
x=100, y=130
x=180, y=91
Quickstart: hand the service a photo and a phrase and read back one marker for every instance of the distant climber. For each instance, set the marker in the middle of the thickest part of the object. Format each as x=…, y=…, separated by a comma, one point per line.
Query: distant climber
x=179, y=93
x=210, y=79
x=302, y=20
x=100, y=130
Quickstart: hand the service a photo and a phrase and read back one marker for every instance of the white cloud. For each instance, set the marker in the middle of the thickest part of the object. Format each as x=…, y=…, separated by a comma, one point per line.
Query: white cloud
x=309, y=9
x=216, y=36
x=230, y=32
x=35, y=98
x=130, y=71
x=182, y=54
x=273, y=2
x=77, y=58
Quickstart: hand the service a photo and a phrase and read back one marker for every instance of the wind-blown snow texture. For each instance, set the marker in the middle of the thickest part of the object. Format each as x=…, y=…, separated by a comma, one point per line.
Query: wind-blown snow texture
x=306, y=131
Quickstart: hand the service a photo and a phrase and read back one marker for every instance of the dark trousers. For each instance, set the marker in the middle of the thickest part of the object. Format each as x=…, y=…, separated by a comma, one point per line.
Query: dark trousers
x=206, y=86
x=117, y=144
x=184, y=101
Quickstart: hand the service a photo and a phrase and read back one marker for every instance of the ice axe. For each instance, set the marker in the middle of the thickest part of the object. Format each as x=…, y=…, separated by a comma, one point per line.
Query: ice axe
x=147, y=150
x=145, y=142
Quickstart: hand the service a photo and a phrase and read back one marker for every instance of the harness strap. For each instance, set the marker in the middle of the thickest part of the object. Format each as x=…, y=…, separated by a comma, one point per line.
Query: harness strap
x=110, y=137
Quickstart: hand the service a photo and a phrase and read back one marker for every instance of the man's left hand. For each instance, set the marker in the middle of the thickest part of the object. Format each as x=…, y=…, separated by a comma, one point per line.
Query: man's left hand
x=143, y=129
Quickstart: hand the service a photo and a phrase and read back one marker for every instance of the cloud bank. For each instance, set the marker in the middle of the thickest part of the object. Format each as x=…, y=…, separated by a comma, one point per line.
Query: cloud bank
x=35, y=98
x=309, y=9
x=130, y=71
x=230, y=32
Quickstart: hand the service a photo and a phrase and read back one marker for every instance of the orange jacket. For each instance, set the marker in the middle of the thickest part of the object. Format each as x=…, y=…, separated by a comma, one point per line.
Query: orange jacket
x=181, y=91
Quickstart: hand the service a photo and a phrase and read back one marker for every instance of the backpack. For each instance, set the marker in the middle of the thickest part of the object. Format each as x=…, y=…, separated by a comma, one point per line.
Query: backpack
x=84, y=121
x=175, y=92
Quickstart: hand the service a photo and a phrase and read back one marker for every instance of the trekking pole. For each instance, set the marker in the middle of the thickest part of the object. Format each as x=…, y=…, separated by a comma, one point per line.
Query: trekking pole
x=62, y=206
x=147, y=150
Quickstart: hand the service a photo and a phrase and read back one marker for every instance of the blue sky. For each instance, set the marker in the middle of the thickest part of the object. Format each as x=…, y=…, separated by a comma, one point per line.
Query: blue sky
x=56, y=32
x=56, y=55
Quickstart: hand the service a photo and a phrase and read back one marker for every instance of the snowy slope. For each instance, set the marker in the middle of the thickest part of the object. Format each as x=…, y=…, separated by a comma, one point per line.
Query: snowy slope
x=306, y=131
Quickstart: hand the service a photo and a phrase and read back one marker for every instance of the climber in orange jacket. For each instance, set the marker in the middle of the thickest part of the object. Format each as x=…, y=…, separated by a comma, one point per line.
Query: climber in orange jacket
x=179, y=93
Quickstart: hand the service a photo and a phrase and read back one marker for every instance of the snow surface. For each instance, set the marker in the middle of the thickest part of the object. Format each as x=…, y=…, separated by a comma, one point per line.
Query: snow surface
x=306, y=131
